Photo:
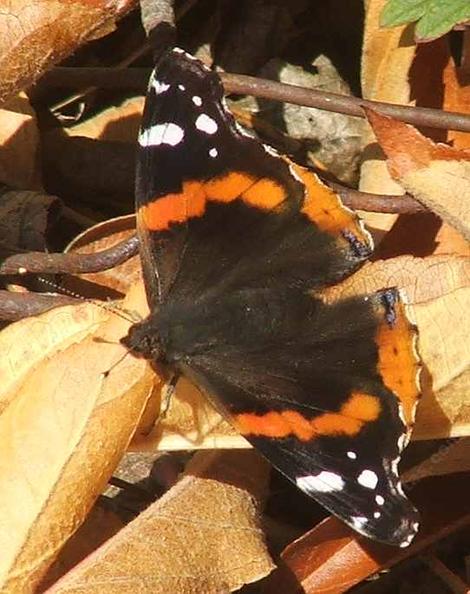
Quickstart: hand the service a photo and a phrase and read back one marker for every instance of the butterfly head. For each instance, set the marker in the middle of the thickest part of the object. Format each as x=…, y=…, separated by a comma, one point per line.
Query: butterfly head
x=143, y=340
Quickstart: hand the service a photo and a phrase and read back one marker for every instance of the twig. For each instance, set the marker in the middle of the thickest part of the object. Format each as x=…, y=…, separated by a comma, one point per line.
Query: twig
x=383, y=203
x=72, y=263
x=137, y=78
x=452, y=581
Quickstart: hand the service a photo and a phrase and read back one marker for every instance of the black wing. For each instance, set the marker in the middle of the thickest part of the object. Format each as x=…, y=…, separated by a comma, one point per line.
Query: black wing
x=326, y=392
x=207, y=192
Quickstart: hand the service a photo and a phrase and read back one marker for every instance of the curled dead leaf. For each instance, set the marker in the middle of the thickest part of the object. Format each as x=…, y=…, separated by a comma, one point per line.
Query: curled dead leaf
x=36, y=35
x=203, y=535
x=387, y=55
x=65, y=425
x=436, y=174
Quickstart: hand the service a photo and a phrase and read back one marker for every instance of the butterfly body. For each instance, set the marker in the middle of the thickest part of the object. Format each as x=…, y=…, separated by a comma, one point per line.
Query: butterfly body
x=237, y=245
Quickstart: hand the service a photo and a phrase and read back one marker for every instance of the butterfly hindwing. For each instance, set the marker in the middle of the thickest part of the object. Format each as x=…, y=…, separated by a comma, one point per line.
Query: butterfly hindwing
x=305, y=383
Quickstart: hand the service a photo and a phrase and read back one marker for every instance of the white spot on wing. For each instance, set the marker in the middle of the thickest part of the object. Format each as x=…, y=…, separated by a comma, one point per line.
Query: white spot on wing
x=368, y=479
x=167, y=133
x=358, y=521
x=206, y=124
x=197, y=100
x=213, y=152
x=324, y=482
x=181, y=87
x=407, y=541
x=159, y=87
x=401, y=414
x=379, y=500
x=377, y=515
x=403, y=441
x=351, y=455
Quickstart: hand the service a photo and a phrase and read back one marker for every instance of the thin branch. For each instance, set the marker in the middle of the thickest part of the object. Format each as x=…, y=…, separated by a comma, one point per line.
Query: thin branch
x=451, y=579
x=136, y=78
x=383, y=203
x=72, y=263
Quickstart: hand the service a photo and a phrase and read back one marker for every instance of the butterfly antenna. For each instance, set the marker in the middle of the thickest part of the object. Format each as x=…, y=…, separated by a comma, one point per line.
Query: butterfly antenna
x=132, y=317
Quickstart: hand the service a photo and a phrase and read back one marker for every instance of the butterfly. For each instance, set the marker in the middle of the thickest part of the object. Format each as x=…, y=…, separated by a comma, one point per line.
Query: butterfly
x=237, y=243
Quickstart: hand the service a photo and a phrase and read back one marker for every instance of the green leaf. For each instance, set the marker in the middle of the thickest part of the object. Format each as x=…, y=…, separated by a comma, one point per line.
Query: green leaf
x=399, y=12
x=434, y=17
x=441, y=17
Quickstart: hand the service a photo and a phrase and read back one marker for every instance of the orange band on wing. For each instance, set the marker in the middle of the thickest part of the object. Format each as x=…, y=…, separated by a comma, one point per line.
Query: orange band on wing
x=358, y=410
x=174, y=208
x=323, y=207
x=265, y=194
x=229, y=187
x=398, y=361
x=160, y=213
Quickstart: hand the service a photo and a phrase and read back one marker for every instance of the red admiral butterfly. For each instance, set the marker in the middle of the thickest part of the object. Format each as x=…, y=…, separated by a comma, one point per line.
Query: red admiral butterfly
x=236, y=244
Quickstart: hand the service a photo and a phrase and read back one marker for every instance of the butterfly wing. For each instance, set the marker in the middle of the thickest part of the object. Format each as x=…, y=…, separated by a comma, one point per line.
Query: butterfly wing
x=199, y=176
x=326, y=392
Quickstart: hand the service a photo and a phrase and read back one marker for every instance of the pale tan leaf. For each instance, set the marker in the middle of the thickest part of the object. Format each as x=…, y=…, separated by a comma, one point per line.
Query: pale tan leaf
x=436, y=174
x=19, y=145
x=62, y=433
x=191, y=423
x=387, y=55
x=204, y=535
x=102, y=236
x=447, y=412
x=100, y=525
x=28, y=342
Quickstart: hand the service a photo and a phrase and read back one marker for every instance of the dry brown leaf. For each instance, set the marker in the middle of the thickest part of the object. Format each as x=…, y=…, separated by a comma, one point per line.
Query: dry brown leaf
x=436, y=174
x=36, y=35
x=450, y=458
x=100, y=525
x=100, y=237
x=438, y=288
x=456, y=98
x=25, y=217
x=204, y=535
x=19, y=145
x=387, y=55
x=63, y=431
x=447, y=412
